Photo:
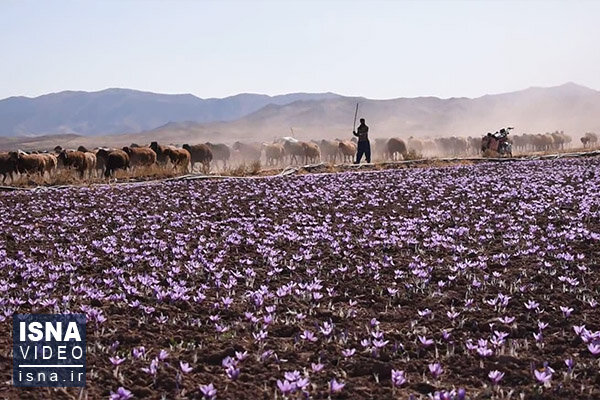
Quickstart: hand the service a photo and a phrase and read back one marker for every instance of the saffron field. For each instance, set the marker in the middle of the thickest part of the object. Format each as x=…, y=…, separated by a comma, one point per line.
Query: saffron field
x=467, y=282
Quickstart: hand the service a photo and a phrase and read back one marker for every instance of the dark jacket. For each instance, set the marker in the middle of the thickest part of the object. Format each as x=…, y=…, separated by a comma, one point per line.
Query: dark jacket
x=363, y=133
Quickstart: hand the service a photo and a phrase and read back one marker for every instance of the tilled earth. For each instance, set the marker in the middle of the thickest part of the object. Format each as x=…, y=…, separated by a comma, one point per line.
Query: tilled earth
x=274, y=287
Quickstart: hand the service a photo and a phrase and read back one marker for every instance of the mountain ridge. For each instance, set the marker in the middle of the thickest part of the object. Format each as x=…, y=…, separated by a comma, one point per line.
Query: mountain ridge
x=569, y=107
x=116, y=110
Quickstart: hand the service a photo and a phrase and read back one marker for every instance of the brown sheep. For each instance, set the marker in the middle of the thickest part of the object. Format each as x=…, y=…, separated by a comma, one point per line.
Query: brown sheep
x=161, y=156
x=113, y=160
x=416, y=145
x=180, y=158
x=100, y=164
x=140, y=156
x=379, y=148
x=248, y=151
x=543, y=142
x=200, y=153
x=8, y=167
x=330, y=150
x=220, y=152
x=294, y=149
x=312, y=153
x=92, y=162
x=396, y=148
x=589, y=139
x=274, y=153
x=29, y=163
x=51, y=163
x=78, y=160
x=348, y=149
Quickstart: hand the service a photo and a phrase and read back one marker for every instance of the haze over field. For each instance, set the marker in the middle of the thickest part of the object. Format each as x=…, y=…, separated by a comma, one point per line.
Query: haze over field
x=569, y=107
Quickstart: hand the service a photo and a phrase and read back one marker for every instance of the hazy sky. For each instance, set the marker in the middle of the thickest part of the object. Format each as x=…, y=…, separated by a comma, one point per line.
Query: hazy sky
x=381, y=49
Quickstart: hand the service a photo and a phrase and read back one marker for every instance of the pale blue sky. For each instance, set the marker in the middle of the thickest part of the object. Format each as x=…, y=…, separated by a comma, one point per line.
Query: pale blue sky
x=376, y=49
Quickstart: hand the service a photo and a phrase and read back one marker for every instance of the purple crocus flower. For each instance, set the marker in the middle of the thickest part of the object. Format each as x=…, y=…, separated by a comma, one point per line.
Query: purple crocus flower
x=531, y=305
x=507, y=320
x=232, y=372
x=209, y=391
x=116, y=360
x=138, y=352
x=496, y=376
x=309, y=336
x=121, y=394
x=425, y=342
x=398, y=378
x=594, y=348
x=326, y=329
x=543, y=376
x=153, y=368
x=336, y=386
x=579, y=329
x=317, y=367
x=436, y=370
x=348, y=352
x=569, y=363
x=446, y=335
x=286, y=386
x=452, y=314
x=292, y=376
x=302, y=383
x=424, y=313
x=163, y=355
x=566, y=311
x=484, y=352
x=185, y=367
x=228, y=362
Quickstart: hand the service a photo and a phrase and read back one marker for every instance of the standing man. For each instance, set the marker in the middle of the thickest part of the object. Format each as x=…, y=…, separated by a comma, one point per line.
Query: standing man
x=364, y=147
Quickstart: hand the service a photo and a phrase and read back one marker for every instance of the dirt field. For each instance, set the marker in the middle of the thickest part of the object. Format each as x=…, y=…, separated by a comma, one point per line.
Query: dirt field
x=275, y=287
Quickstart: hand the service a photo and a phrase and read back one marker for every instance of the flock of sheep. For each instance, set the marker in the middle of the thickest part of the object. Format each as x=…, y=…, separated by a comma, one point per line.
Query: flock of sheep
x=287, y=150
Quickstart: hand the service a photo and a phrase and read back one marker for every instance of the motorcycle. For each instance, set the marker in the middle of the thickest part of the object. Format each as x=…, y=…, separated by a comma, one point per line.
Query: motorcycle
x=497, y=143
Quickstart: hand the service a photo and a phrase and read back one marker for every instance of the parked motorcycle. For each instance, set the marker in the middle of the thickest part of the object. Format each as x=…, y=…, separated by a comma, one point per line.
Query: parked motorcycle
x=497, y=143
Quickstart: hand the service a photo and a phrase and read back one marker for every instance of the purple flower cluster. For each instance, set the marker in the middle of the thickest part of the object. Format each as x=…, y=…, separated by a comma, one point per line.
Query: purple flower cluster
x=235, y=282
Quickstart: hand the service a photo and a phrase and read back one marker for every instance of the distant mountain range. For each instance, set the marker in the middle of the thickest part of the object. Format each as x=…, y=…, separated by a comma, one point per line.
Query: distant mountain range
x=119, y=116
x=570, y=107
x=115, y=111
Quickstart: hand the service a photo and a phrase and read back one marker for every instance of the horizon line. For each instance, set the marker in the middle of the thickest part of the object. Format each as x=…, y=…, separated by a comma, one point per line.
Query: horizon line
x=569, y=83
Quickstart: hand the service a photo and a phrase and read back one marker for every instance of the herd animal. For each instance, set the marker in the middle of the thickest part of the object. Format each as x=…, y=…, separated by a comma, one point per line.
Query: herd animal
x=198, y=153
x=90, y=163
x=590, y=139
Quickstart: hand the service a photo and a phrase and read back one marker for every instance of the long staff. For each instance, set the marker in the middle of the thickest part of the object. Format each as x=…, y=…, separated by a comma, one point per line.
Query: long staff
x=355, y=114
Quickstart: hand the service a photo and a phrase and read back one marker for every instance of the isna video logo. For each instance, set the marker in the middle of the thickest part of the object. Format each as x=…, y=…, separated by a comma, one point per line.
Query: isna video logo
x=49, y=350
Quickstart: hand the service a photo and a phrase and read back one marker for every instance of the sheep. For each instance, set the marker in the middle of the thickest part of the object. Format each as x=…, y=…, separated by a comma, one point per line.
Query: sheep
x=312, y=153
x=220, y=152
x=79, y=161
x=113, y=160
x=29, y=163
x=348, y=149
x=274, y=153
x=330, y=150
x=199, y=153
x=8, y=167
x=140, y=156
x=396, y=148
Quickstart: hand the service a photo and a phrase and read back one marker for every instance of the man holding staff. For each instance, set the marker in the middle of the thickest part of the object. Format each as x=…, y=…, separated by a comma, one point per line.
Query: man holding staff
x=364, y=147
